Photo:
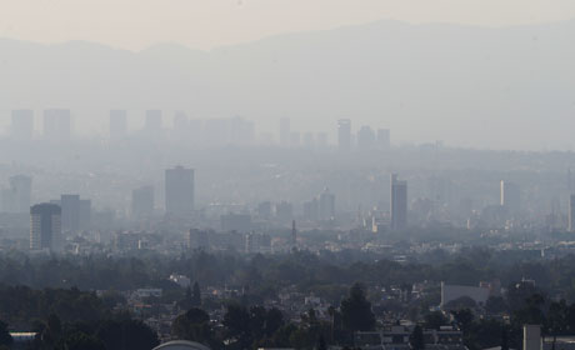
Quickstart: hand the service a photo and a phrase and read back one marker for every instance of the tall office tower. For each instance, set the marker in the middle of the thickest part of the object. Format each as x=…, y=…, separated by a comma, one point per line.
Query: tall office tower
x=571, y=216
x=180, y=125
x=285, y=132
x=21, y=188
x=510, y=197
x=57, y=124
x=366, y=138
x=242, y=131
x=322, y=139
x=85, y=214
x=217, y=132
x=179, y=191
x=398, y=203
x=284, y=211
x=293, y=234
x=311, y=210
x=153, y=121
x=45, y=228
x=118, y=124
x=295, y=139
x=344, y=134
x=326, y=205
x=199, y=239
x=383, y=138
x=22, y=124
x=308, y=140
x=572, y=213
x=70, y=204
x=143, y=202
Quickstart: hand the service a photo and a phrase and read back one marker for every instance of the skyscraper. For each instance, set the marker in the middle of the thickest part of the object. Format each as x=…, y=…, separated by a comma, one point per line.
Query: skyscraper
x=45, y=226
x=572, y=213
x=366, y=138
x=57, y=124
x=344, y=134
x=383, y=138
x=398, y=203
x=510, y=197
x=285, y=132
x=21, y=187
x=179, y=191
x=153, y=121
x=70, y=205
x=22, y=124
x=181, y=126
x=326, y=205
x=118, y=124
x=143, y=202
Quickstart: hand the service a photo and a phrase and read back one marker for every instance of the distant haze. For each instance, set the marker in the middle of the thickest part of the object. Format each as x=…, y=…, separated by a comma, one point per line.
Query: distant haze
x=204, y=24
x=503, y=88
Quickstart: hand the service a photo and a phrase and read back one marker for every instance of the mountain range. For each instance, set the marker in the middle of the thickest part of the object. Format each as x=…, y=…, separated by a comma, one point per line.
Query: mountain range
x=496, y=88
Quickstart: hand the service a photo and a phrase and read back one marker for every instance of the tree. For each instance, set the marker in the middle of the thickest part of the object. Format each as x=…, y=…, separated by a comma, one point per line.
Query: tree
x=5, y=337
x=81, y=341
x=356, y=310
x=126, y=334
x=194, y=325
x=463, y=318
x=237, y=323
x=496, y=305
x=321, y=345
x=416, y=338
x=196, y=295
x=434, y=320
x=138, y=335
x=504, y=339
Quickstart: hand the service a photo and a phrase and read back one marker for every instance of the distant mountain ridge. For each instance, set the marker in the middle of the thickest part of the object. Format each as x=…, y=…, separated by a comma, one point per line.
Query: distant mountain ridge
x=508, y=87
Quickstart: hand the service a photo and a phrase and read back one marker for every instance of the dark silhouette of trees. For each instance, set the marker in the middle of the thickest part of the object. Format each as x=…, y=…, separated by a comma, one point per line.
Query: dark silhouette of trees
x=416, y=338
x=5, y=337
x=196, y=295
x=356, y=310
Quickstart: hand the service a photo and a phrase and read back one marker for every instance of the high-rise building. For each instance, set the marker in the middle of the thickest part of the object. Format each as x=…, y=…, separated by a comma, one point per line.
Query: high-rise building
x=70, y=204
x=242, y=131
x=16, y=198
x=199, y=239
x=572, y=213
x=285, y=132
x=57, y=124
x=21, y=187
x=153, y=121
x=284, y=211
x=45, y=228
x=85, y=214
x=22, y=124
x=510, y=197
x=326, y=205
x=179, y=191
x=311, y=210
x=398, y=203
x=322, y=140
x=118, y=124
x=236, y=222
x=344, y=134
x=143, y=202
x=181, y=125
x=383, y=138
x=366, y=138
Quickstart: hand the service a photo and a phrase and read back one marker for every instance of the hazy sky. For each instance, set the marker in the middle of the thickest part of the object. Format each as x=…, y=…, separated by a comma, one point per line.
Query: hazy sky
x=203, y=24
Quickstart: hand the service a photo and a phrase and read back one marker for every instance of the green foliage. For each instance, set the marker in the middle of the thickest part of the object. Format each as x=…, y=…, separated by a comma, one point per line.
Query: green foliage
x=416, y=339
x=434, y=320
x=356, y=310
x=5, y=337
